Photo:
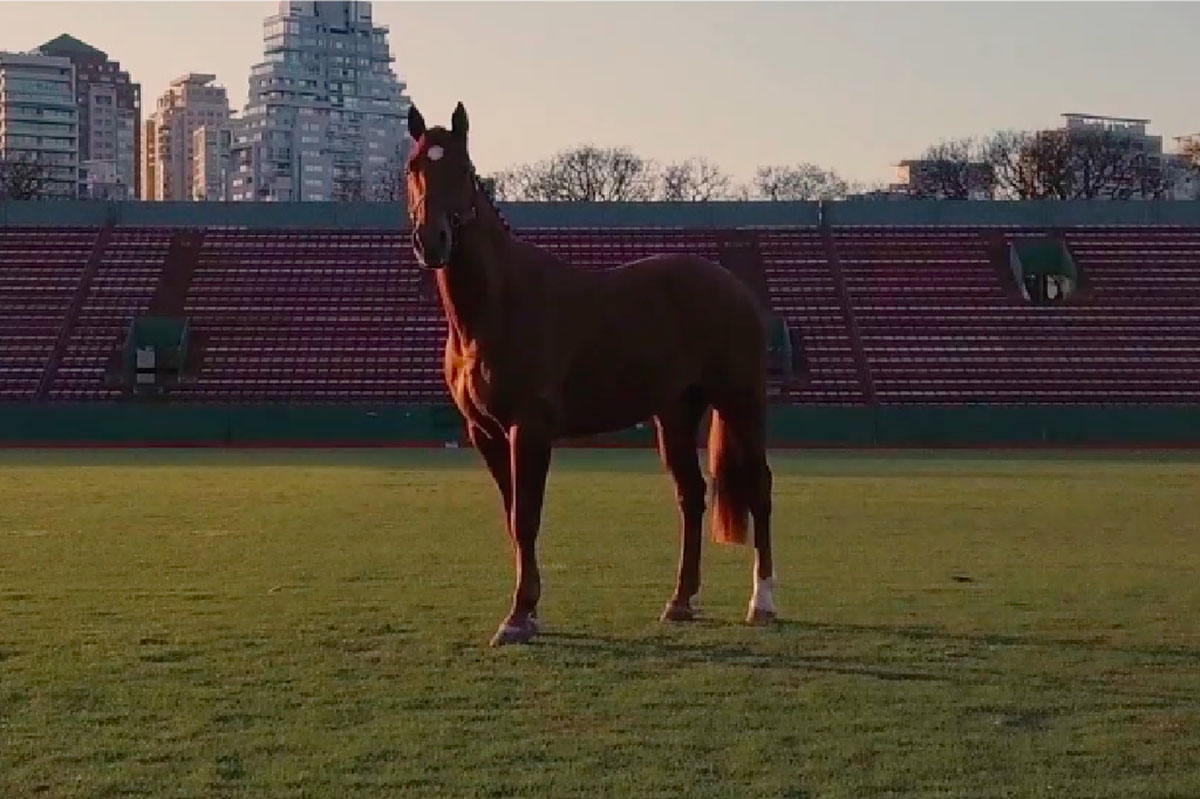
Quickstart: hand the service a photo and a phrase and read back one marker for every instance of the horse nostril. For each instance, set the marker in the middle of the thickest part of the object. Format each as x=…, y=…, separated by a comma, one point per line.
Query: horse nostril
x=443, y=238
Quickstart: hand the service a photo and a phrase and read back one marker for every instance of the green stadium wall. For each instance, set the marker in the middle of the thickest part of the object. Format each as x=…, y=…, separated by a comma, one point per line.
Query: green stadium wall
x=135, y=424
x=1038, y=214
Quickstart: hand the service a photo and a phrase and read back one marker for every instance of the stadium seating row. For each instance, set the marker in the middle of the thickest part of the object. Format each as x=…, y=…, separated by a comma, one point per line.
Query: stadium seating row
x=894, y=315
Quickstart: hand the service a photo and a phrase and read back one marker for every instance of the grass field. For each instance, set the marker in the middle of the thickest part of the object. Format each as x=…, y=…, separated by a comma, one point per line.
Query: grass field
x=315, y=624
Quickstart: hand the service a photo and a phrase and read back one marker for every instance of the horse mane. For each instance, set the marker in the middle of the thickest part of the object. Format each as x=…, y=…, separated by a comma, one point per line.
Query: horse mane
x=487, y=198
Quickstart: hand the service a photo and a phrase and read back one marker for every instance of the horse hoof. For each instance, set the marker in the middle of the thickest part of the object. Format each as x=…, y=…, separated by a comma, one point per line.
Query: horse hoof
x=678, y=612
x=758, y=617
x=509, y=633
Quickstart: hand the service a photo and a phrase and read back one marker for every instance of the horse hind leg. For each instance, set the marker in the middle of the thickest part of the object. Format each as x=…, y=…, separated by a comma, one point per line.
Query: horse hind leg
x=743, y=437
x=762, y=599
x=677, y=431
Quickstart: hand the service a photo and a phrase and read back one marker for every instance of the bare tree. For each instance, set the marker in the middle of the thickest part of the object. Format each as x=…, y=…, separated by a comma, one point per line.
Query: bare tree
x=741, y=191
x=801, y=182
x=582, y=174
x=522, y=182
x=954, y=169
x=693, y=180
x=1002, y=152
x=24, y=178
x=1047, y=166
x=1032, y=166
x=1071, y=165
x=1105, y=164
x=1189, y=148
x=1184, y=176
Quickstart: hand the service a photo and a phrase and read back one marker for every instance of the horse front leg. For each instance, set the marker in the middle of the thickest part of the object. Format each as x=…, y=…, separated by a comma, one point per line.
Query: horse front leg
x=677, y=429
x=529, y=461
x=494, y=449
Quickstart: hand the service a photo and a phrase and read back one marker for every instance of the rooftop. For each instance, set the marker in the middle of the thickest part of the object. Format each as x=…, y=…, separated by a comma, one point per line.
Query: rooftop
x=67, y=45
x=193, y=79
x=1101, y=118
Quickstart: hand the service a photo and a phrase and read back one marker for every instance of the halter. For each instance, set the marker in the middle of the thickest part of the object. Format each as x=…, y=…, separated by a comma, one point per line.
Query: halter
x=460, y=218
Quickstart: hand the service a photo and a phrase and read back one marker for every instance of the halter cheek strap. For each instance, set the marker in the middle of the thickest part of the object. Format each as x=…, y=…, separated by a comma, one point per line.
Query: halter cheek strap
x=460, y=218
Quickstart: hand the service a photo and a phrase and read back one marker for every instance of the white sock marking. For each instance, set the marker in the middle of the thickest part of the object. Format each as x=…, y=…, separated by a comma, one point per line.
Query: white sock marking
x=763, y=597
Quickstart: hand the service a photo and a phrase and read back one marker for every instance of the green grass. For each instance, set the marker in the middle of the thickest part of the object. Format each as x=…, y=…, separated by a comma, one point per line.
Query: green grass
x=315, y=624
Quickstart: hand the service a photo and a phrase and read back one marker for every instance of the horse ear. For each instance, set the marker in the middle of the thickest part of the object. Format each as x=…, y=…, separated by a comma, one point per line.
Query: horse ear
x=458, y=122
x=416, y=123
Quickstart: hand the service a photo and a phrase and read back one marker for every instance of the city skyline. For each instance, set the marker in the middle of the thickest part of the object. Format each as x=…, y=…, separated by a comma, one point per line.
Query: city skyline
x=854, y=87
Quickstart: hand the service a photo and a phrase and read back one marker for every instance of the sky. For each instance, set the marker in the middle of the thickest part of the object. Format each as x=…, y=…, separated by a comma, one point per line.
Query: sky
x=852, y=86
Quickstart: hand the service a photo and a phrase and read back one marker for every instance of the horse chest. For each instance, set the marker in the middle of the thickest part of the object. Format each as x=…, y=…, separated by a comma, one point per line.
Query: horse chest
x=477, y=393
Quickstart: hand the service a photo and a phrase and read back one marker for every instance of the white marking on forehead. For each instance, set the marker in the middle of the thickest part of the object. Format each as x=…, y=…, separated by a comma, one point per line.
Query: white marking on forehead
x=435, y=152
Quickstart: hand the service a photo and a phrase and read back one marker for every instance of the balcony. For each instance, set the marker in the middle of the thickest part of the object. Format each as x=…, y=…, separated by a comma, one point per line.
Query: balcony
x=38, y=114
x=63, y=130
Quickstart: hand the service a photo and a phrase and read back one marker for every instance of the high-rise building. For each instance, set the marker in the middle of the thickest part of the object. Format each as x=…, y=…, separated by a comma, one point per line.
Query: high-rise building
x=110, y=117
x=169, y=136
x=39, y=122
x=326, y=114
x=210, y=163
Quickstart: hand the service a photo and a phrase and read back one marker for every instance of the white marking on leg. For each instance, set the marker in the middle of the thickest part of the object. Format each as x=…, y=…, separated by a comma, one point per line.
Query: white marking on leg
x=763, y=597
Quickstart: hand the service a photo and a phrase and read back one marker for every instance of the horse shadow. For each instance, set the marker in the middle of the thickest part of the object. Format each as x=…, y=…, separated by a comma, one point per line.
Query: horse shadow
x=928, y=655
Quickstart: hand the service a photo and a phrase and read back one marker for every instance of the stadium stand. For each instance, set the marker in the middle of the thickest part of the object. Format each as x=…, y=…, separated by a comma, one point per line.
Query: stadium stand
x=41, y=271
x=883, y=315
x=130, y=265
x=938, y=325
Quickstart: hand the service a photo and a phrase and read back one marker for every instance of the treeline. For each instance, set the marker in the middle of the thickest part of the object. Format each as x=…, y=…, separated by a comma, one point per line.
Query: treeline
x=614, y=174
x=1016, y=165
x=23, y=179
x=1051, y=165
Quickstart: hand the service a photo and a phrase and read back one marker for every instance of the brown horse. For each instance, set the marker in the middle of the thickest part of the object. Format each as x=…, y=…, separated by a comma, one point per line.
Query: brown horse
x=537, y=351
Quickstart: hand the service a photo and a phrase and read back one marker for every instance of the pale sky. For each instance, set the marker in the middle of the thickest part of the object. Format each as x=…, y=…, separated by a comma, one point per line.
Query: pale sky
x=853, y=86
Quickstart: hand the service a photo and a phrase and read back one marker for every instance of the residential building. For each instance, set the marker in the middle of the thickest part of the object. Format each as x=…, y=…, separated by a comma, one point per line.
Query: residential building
x=326, y=114
x=110, y=114
x=169, y=136
x=1183, y=167
x=38, y=118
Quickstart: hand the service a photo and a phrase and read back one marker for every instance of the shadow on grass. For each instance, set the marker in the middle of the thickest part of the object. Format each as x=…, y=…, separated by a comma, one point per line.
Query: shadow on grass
x=662, y=649
x=925, y=655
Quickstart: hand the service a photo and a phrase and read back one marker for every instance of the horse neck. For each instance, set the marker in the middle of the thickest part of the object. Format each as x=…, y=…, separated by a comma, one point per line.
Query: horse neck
x=472, y=285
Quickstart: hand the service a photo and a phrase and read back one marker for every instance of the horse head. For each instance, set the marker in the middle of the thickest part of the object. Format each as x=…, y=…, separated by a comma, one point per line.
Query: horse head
x=442, y=187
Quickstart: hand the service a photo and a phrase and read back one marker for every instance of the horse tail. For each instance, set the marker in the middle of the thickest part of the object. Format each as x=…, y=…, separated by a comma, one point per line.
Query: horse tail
x=732, y=483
